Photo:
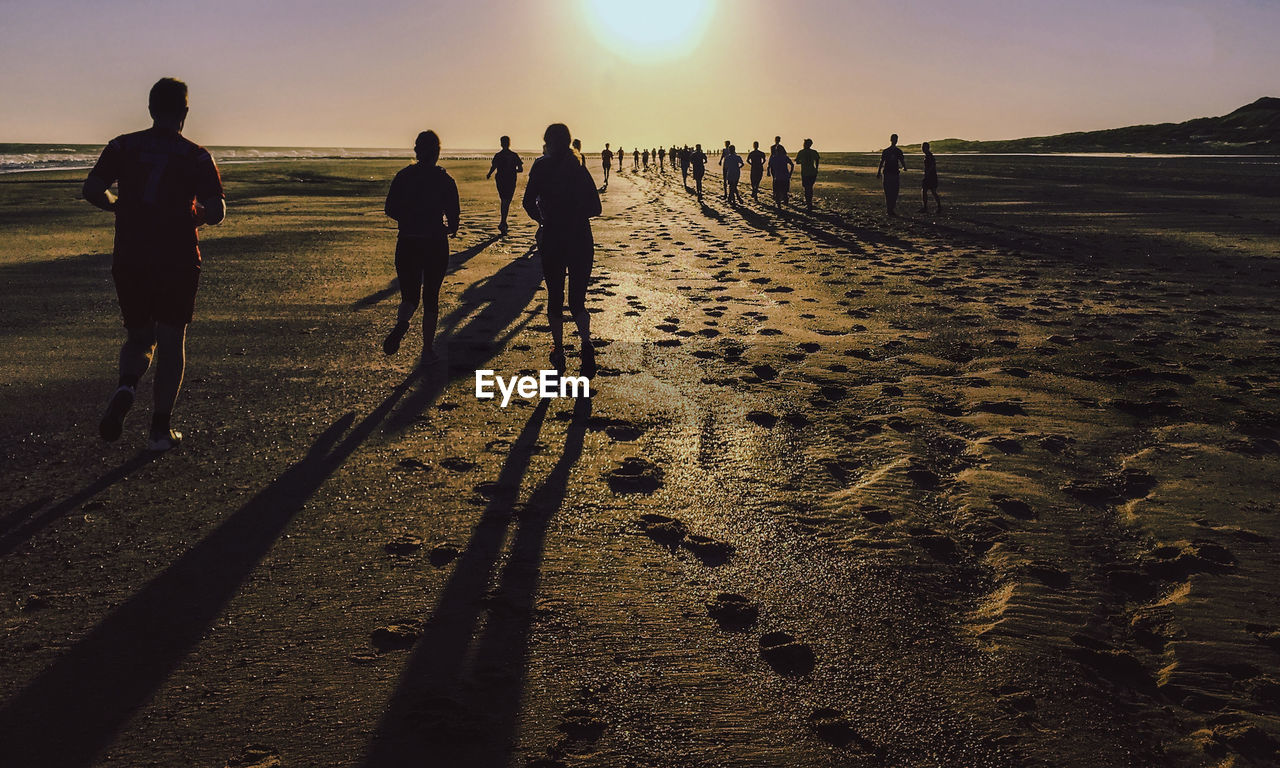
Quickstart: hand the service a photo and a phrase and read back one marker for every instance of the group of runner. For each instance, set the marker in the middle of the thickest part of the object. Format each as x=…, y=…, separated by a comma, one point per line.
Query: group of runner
x=168, y=187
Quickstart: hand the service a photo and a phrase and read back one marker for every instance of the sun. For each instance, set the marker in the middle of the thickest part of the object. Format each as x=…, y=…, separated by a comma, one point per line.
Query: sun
x=650, y=28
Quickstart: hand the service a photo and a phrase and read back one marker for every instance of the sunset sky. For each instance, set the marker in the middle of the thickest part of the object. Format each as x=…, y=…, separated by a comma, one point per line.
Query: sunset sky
x=845, y=72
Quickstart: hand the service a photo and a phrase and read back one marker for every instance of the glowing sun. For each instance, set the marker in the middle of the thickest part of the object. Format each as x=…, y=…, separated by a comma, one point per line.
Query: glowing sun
x=650, y=28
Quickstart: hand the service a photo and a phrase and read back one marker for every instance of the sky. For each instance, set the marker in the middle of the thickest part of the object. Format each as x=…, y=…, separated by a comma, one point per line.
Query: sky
x=844, y=72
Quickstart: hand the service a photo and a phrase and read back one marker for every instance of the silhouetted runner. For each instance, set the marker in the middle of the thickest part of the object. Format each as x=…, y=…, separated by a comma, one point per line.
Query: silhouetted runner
x=724, y=180
x=606, y=160
x=645, y=157
x=890, y=161
x=930, y=183
x=732, y=174
x=684, y=165
x=562, y=197
x=807, y=159
x=699, y=162
x=507, y=165
x=756, y=159
x=662, y=157
x=168, y=187
x=635, y=159
x=780, y=168
x=577, y=150
x=423, y=200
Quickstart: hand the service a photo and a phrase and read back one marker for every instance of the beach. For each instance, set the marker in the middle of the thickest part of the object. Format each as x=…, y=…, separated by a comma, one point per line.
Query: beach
x=995, y=487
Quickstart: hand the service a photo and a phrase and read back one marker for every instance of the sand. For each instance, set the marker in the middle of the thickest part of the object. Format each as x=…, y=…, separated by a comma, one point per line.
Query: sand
x=996, y=487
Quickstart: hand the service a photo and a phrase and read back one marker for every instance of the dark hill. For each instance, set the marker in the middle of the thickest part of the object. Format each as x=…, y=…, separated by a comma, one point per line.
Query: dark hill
x=1251, y=129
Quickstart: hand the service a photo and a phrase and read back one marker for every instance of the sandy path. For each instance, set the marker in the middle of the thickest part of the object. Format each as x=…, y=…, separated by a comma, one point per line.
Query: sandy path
x=997, y=520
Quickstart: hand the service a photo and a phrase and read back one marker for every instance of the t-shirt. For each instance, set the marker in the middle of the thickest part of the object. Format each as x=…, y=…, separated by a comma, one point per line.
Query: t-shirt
x=606, y=157
x=892, y=159
x=421, y=199
x=699, y=161
x=780, y=165
x=506, y=164
x=756, y=158
x=807, y=159
x=159, y=175
x=560, y=193
x=930, y=166
x=732, y=166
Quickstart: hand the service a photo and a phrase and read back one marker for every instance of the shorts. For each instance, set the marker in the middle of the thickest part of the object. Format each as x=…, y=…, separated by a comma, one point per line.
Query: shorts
x=568, y=253
x=930, y=182
x=421, y=262
x=149, y=294
x=809, y=181
x=506, y=188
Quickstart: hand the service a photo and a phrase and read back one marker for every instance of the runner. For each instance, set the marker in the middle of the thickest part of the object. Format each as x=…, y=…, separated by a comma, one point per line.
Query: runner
x=930, y=183
x=756, y=159
x=507, y=165
x=699, y=162
x=732, y=174
x=890, y=159
x=423, y=200
x=645, y=157
x=662, y=158
x=606, y=160
x=780, y=168
x=561, y=196
x=168, y=186
x=807, y=159
x=684, y=165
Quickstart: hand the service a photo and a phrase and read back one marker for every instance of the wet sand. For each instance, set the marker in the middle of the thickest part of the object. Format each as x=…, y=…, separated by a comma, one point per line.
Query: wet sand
x=996, y=487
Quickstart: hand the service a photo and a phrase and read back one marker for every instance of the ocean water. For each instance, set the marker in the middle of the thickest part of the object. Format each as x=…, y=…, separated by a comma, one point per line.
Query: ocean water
x=17, y=158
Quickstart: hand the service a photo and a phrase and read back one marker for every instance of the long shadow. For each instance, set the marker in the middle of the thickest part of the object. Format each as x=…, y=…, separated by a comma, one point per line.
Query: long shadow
x=456, y=261
x=45, y=289
x=70, y=712
x=20, y=525
x=502, y=299
x=446, y=711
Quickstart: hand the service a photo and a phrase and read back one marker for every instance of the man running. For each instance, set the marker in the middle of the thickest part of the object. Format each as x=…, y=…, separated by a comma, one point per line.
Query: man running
x=168, y=186
x=780, y=169
x=606, y=160
x=684, y=165
x=930, y=183
x=507, y=165
x=645, y=157
x=732, y=174
x=756, y=159
x=562, y=197
x=662, y=159
x=423, y=200
x=807, y=159
x=724, y=180
x=635, y=159
x=699, y=162
x=890, y=160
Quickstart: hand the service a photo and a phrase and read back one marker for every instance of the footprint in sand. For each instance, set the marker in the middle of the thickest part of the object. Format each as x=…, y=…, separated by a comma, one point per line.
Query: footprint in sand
x=1013, y=507
x=443, y=554
x=833, y=728
x=786, y=654
x=396, y=637
x=459, y=464
x=708, y=550
x=581, y=729
x=762, y=418
x=403, y=546
x=939, y=547
x=665, y=530
x=733, y=612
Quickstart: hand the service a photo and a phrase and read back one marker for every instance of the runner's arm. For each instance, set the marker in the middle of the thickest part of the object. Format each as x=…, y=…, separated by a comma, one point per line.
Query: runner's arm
x=530, y=200
x=96, y=192
x=452, y=207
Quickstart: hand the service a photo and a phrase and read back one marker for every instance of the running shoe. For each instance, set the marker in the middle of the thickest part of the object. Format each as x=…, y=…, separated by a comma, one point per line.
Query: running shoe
x=392, y=343
x=557, y=361
x=112, y=423
x=162, y=441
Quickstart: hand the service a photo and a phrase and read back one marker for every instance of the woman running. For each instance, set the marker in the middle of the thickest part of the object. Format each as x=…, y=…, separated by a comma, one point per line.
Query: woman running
x=562, y=197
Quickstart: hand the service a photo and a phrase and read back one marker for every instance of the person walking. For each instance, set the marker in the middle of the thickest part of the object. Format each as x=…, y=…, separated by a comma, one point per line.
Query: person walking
x=168, y=187
x=930, y=183
x=807, y=159
x=562, y=198
x=606, y=160
x=423, y=201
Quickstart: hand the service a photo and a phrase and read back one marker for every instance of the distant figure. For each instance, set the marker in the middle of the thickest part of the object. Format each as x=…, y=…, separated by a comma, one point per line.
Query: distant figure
x=606, y=160
x=635, y=159
x=777, y=146
x=561, y=196
x=684, y=165
x=662, y=158
x=756, y=159
x=930, y=183
x=577, y=151
x=724, y=181
x=168, y=187
x=807, y=159
x=699, y=162
x=732, y=174
x=423, y=200
x=890, y=160
x=507, y=165
x=645, y=156
x=622, y=159
x=780, y=168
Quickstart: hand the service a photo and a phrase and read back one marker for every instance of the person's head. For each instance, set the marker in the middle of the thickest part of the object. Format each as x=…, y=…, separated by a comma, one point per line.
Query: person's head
x=427, y=147
x=167, y=102
x=731, y=149
x=893, y=140
x=698, y=148
x=577, y=145
x=755, y=145
x=727, y=145
x=505, y=141
x=808, y=143
x=777, y=139
x=925, y=147
x=556, y=138
x=606, y=145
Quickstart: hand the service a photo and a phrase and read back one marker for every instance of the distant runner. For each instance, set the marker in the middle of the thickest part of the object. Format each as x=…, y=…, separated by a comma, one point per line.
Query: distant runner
x=780, y=169
x=168, y=187
x=606, y=160
x=930, y=183
x=756, y=159
x=807, y=159
x=890, y=160
x=732, y=174
x=507, y=165
x=423, y=200
x=699, y=162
